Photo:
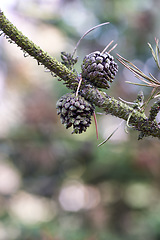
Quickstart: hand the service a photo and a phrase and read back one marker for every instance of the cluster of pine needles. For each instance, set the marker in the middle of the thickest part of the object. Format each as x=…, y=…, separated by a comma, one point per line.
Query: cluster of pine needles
x=147, y=81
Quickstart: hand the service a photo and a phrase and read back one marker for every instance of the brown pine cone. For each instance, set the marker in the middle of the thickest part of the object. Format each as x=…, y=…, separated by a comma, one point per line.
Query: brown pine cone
x=99, y=69
x=75, y=111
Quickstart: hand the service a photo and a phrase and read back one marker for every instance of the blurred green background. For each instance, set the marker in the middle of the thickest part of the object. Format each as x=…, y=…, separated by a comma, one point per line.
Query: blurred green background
x=59, y=186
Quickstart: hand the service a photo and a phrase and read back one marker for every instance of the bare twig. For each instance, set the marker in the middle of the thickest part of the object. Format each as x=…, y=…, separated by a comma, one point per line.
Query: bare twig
x=91, y=29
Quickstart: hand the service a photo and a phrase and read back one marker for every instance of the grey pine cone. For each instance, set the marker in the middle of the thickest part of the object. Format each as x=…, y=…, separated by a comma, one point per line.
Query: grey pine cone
x=68, y=60
x=99, y=68
x=75, y=111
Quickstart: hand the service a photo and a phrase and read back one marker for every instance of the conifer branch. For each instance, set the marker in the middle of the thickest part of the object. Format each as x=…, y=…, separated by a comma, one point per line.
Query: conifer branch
x=138, y=120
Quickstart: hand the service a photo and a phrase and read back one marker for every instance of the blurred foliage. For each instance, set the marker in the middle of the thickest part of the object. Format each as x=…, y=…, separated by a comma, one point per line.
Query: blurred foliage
x=58, y=186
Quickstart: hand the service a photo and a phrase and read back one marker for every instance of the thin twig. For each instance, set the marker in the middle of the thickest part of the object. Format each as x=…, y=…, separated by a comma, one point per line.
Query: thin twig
x=113, y=48
x=91, y=29
x=110, y=135
x=96, y=124
x=79, y=84
x=104, y=50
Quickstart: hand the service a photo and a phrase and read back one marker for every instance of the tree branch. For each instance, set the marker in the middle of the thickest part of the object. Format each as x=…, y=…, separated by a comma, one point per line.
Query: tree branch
x=110, y=105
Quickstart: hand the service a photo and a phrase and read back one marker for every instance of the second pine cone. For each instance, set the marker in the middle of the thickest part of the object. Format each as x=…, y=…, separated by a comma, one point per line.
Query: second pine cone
x=99, y=69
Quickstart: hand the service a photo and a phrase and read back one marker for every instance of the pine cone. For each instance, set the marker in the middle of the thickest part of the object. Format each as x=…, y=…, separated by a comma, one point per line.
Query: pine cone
x=99, y=68
x=68, y=60
x=75, y=111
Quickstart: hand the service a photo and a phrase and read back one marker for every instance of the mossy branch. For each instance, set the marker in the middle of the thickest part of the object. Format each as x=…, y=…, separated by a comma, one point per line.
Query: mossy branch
x=110, y=105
